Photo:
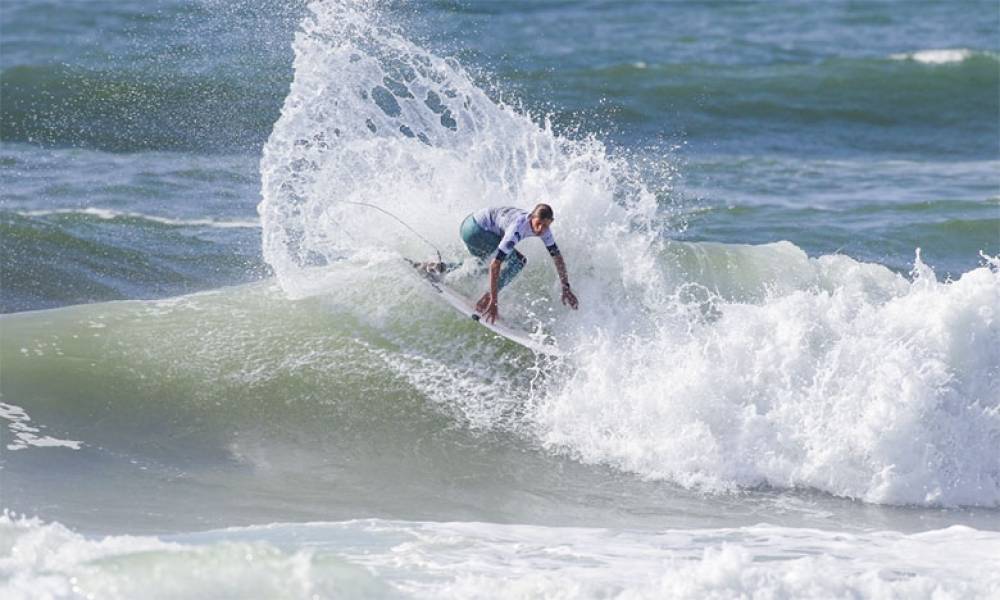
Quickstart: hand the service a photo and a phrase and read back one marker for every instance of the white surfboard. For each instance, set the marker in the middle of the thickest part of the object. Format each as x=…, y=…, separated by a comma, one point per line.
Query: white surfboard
x=467, y=308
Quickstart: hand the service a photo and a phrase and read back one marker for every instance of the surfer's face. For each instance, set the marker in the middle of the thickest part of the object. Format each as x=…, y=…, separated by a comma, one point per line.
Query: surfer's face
x=540, y=225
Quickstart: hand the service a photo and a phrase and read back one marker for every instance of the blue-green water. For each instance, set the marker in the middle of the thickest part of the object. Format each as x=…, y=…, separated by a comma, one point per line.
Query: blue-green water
x=781, y=220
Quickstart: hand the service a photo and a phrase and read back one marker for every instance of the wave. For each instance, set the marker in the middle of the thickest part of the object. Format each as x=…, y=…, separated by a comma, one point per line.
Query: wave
x=52, y=561
x=383, y=558
x=122, y=110
x=715, y=367
x=67, y=256
x=951, y=233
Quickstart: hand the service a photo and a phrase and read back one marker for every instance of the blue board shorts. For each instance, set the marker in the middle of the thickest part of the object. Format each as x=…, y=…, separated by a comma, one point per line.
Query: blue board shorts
x=482, y=244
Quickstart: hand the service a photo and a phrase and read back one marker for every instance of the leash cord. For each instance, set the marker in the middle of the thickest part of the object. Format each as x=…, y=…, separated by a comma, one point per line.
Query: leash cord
x=402, y=222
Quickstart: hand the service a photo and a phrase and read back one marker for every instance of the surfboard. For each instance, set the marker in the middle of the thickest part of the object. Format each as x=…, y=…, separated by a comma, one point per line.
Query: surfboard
x=467, y=308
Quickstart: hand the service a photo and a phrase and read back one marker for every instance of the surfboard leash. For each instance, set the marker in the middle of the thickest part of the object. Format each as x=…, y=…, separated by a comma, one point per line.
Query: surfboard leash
x=402, y=222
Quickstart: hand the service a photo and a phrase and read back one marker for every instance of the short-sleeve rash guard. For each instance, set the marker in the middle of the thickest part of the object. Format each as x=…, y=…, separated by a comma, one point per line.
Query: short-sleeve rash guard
x=512, y=225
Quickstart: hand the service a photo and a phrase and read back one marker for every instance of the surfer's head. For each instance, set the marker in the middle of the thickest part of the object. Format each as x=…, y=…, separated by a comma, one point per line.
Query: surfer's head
x=541, y=217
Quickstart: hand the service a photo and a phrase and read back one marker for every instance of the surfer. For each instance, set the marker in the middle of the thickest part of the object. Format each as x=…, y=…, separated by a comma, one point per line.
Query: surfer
x=495, y=231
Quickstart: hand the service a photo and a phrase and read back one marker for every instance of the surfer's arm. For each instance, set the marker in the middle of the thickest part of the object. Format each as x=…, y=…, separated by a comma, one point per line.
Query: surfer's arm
x=568, y=297
x=490, y=309
x=495, y=265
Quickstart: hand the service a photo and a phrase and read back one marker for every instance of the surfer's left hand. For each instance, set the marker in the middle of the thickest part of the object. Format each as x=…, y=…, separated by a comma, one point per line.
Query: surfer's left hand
x=568, y=298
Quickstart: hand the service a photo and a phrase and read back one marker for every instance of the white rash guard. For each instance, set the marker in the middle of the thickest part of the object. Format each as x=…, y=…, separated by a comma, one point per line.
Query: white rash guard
x=512, y=225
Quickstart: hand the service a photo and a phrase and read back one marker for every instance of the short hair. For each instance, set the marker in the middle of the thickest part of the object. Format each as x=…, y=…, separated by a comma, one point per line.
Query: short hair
x=543, y=211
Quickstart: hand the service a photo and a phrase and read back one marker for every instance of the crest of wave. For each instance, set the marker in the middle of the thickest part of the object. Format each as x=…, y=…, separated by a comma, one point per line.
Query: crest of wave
x=372, y=121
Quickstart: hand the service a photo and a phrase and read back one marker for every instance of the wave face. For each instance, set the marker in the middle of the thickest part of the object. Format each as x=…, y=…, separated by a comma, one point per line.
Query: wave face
x=757, y=367
x=711, y=366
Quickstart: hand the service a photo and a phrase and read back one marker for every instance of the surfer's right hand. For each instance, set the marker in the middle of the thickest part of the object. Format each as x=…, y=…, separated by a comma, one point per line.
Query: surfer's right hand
x=487, y=305
x=490, y=314
x=483, y=302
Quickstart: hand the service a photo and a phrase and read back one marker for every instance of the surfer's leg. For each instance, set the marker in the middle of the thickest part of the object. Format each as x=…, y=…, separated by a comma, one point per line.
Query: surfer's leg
x=481, y=243
x=476, y=240
x=511, y=267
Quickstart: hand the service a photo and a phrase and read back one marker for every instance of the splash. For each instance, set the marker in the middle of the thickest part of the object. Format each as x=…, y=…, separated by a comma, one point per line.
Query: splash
x=373, y=120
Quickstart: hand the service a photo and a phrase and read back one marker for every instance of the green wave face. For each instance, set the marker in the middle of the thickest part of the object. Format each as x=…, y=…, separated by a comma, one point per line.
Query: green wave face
x=209, y=363
x=352, y=392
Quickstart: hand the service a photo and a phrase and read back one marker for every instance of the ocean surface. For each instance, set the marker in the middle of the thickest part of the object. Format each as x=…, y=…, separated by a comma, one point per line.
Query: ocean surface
x=219, y=379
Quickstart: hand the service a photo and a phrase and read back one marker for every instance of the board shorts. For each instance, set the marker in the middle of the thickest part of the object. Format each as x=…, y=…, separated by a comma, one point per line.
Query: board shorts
x=482, y=244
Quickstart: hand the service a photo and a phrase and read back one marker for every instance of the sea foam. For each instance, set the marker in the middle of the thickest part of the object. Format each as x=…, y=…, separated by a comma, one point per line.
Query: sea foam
x=375, y=558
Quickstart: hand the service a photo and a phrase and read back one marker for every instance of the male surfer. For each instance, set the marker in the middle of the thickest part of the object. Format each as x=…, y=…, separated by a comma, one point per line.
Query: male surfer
x=496, y=231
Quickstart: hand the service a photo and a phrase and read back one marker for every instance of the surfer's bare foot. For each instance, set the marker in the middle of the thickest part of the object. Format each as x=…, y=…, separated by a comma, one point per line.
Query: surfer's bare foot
x=431, y=268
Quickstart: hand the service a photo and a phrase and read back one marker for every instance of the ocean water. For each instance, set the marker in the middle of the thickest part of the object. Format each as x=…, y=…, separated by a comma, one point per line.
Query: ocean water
x=218, y=379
